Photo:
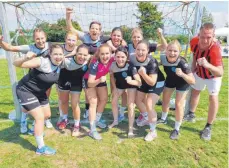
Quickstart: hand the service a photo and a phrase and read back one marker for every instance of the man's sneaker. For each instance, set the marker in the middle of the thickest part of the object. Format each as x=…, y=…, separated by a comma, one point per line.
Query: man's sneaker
x=48, y=123
x=86, y=114
x=143, y=122
x=23, y=127
x=95, y=135
x=63, y=124
x=161, y=121
x=45, y=150
x=174, y=134
x=151, y=135
x=31, y=131
x=76, y=130
x=100, y=124
x=190, y=117
x=140, y=117
x=121, y=118
x=206, y=134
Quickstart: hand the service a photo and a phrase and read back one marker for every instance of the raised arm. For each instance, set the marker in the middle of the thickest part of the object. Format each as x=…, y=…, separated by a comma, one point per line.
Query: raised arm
x=163, y=43
x=8, y=47
x=70, y=27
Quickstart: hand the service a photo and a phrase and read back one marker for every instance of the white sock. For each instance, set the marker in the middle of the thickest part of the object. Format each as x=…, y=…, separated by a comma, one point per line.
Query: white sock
x=145, y=115
x=23, y=116
x=65, y=116
x=40, y=141
x=177, y=125
x=164, y=115
x=77, y=122
x=92, y=125
x=98, y=116
x=152, y=126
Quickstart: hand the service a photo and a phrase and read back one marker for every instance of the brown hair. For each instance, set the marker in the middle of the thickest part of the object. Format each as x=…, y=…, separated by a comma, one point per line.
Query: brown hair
x=39, y=30
x=208, y=26
x=137, y=30
x=98, y=50
x=95, y=22
x=54, y=46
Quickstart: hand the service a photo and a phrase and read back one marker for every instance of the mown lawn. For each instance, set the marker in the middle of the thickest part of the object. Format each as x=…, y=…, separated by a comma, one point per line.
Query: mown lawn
x=116, y=150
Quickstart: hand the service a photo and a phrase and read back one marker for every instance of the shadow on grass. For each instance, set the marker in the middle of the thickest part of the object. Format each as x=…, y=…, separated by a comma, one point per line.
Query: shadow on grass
x=13, y=135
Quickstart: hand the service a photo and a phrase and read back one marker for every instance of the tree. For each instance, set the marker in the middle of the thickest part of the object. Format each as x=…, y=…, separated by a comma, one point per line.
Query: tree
x=150, y=19
x=126, y=33
x=56, y=32
x=207, y=17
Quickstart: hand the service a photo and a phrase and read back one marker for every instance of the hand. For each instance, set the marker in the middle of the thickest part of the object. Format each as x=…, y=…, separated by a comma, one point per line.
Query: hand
x=103, y=79
x=141, y=71
x=179, y=72
x=69, y=11
x=159, y=31
x=128, y=79
x=203, y=62
x=30, y=55
x=123, y=43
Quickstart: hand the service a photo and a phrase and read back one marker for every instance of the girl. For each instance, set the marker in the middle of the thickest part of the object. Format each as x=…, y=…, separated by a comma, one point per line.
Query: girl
x=123, y=76
x=70, y=81
x=179, y=77
x=40, y=48
x=31, y=89
x=96, y=87
x=148, y=93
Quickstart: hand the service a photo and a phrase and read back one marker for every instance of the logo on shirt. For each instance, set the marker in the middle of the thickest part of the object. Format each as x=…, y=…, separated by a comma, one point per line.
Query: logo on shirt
x=84, y=68
x=185, y=65
x=173, y=69
x=124, y=74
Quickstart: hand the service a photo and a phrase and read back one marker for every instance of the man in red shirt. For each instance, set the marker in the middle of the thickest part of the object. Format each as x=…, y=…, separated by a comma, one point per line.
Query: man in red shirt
x=207, y=68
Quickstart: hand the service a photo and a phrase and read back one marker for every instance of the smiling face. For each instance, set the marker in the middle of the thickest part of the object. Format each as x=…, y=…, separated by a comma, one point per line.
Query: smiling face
x=39, y=39
x=70, y=41
x=206, y=37
x=81, y=55
x=141, y=52
x=121, y=58
x=104, y=54
x=57, y=56
x=116, y=38
x=136, y=37
x=95, y=31
x=172, y=52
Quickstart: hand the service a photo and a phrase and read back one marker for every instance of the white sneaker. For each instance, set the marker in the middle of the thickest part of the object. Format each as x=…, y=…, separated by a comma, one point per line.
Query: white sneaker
x=151, y=136
x=48, y=123
x=23, y=128
x=143, y=122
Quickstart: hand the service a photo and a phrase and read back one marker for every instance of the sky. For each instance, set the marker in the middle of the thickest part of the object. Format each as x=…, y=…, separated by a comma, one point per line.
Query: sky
x=219, y=10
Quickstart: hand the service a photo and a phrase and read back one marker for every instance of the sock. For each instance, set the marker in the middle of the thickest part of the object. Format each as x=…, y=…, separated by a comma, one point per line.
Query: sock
x=145, y=115
x=122, y=110
x=23, y=117
x=98, y=116
x=152, y=126
x=40, y=141
x=87, y=106
x=65, y=116
x=93, y=126
x=177, y=125
x=164, y=115
x=77, y=122
x=208, y=125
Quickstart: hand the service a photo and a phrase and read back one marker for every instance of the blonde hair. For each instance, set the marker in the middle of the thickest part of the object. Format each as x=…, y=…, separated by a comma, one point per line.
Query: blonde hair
x=175, y=42
x=102, y=46
x=70, y=33
x=137, y=30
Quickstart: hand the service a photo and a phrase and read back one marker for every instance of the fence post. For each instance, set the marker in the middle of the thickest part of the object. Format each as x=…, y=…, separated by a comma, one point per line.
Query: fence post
x=9, y=57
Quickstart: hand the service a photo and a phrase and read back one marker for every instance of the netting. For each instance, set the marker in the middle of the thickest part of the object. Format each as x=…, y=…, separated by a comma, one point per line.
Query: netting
x=178, y=17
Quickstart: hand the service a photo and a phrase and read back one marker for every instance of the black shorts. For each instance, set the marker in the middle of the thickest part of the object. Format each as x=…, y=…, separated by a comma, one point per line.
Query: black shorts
x=178, y=87
x=146, y=89
x=29, y=100
x=85, y=85
x=159, y=88
x=69, y=86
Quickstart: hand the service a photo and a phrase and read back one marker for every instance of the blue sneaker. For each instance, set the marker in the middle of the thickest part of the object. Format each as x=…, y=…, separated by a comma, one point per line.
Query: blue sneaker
x=30, y=131
x=45, y=150
x=23, y=127
x=101, y=124
x=121, y=118
x=95, y=135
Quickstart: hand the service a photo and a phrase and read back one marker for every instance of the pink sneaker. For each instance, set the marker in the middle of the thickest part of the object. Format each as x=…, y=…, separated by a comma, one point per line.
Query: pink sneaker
x=139, y=119
x=143, y=122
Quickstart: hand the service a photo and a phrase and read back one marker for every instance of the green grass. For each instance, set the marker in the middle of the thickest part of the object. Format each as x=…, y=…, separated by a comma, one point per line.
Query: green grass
x=116, y=150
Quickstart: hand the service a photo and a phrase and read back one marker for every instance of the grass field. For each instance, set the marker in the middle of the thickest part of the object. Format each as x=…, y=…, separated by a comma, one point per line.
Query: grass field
x=116, y=150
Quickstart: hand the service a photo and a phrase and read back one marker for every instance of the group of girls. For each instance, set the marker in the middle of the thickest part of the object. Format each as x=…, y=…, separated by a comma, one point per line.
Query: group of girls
x=132, y=71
